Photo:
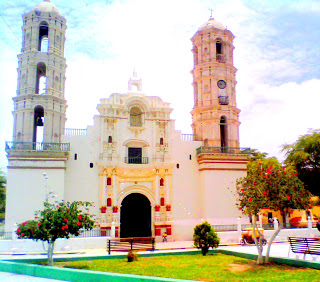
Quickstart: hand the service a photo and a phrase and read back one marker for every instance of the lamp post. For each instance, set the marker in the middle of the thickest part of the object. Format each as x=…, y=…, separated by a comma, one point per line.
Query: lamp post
x=48, y=195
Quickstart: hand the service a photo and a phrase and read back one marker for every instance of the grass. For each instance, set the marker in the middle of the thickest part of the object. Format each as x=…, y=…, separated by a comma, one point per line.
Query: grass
x=212, y=267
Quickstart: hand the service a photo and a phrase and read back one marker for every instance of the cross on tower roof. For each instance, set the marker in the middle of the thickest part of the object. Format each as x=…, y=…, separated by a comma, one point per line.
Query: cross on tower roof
x=211, y=10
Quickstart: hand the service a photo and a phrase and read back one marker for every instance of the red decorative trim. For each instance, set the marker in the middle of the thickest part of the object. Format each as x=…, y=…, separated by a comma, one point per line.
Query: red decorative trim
x=162, y=201
x=157, y=208
x=109, y=202
x=103, y=209
x=168, y=207
x=115, y=209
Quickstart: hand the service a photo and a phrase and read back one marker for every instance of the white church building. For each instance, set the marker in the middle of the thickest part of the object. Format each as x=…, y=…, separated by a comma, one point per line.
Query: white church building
x=142, y=175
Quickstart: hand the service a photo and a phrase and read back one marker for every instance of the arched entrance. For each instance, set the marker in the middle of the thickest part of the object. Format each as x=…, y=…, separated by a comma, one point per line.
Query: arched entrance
x=135, y=216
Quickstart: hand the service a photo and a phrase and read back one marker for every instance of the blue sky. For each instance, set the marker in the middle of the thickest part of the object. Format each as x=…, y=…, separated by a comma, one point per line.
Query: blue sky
x=276, y=54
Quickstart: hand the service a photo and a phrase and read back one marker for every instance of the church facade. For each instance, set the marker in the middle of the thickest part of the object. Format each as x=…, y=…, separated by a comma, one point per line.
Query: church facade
x=142, y=175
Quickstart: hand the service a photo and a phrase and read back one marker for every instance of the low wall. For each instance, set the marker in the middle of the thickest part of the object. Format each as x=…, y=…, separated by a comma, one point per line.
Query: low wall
x=74, y=244
x=61, y=245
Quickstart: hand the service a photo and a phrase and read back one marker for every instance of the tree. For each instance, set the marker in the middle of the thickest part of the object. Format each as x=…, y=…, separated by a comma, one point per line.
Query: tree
x=304, y=155
x=60, y=220
x=269, y=185
x=3, y=182
x=205, y=237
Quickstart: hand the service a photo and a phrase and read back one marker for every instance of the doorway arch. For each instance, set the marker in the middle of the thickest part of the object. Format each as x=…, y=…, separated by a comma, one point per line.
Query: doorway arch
x=135, y=216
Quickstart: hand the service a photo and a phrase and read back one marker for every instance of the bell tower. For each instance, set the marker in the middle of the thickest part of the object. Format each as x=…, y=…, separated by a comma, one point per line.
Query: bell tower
x=39, y=116
x=215, y=117
x=40, y=106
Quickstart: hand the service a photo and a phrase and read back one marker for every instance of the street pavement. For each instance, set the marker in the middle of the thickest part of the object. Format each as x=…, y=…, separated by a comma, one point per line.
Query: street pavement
x=277, y=250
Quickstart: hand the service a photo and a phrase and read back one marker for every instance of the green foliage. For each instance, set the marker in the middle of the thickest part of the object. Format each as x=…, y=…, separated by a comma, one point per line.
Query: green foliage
x=304, y=155
x=3, y=182
x=204, y=237
x=269, y=185
x=59, y=220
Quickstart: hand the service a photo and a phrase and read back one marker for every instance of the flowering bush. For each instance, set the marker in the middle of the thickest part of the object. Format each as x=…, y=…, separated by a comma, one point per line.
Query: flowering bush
x=268, y=185
x=55, y=221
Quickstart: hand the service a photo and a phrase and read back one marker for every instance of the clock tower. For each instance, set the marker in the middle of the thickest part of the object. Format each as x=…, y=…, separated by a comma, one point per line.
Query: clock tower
x=215, y=117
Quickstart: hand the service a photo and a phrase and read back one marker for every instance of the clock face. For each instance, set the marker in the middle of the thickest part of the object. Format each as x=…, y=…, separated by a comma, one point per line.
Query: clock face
x=222, y=84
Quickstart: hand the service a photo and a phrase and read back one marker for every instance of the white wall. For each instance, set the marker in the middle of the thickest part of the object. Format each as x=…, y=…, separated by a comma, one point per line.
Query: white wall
x=26, y=189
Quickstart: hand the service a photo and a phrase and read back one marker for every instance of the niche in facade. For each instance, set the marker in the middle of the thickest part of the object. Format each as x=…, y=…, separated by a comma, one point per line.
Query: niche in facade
x=135, y=116
x=41, y=79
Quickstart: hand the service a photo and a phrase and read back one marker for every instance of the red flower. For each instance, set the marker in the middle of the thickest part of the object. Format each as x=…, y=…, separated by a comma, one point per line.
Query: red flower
x=66, y=226
x=250, y=199
x=266, y=176
x=32, y=232
x=65, y=219
x=39, y=223
x=268, y=170
x=241, y=189
x=288, y=198
x=62, y=228
x=254, y=183
x=264, y=192
x=79, y=223
x=260, y=173
x=67, y=210
x=271, y=167
x=79, y=217
x=22, y=234
x=18, y=230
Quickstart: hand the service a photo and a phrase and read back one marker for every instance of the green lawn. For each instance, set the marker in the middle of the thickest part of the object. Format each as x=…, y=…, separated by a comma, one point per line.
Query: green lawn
x=213, y=267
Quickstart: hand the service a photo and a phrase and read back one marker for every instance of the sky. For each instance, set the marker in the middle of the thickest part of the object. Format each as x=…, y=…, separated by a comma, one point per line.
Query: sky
x=276, y=54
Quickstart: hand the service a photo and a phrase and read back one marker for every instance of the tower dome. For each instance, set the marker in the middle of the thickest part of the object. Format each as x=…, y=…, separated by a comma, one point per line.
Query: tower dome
x=46, y=6
x=212, y=23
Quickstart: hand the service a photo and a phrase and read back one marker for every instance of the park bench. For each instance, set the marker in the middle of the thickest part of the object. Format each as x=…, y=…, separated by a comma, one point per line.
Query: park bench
x=134, y=244
x=305, y=246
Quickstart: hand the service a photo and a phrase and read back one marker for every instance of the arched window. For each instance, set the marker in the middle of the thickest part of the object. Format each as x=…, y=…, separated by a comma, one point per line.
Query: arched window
x=110, y=139
x=109, y=181
x=109, y=202
x=223, y=133
x=135, y=116
x=38, y=124
x=43, y=45
x=161, y=141
x=41, y=79
x=219, y=47
x=162, y=201
x=161, y=182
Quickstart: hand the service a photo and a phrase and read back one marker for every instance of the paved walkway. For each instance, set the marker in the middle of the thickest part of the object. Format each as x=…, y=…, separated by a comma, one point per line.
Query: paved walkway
x=277, y=250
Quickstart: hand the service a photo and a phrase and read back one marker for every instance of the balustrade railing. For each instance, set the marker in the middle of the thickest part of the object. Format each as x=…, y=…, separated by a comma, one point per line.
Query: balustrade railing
x=223, y=150
x=37, y=146
x=188, y=137
x=75, y=132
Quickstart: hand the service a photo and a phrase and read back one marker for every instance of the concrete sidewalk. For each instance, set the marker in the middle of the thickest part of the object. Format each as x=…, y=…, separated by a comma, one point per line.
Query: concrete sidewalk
x=277, y=250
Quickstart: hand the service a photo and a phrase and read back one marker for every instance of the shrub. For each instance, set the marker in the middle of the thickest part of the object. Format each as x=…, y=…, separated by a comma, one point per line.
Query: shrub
x=132, y=256
x=205, y=237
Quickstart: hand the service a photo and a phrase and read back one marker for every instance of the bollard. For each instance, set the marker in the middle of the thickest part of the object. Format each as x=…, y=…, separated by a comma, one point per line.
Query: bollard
x=275, y=223
x=309, y=223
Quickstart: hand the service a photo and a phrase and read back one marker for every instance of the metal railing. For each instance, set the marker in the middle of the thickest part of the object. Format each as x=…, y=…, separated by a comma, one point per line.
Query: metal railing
x=223, y=150
x=126, y=244
x=93, y=233
x=223, y=100
x=136, y=160
x=221, y=58
x=5, y=235
x=75, y=132
x=37, y=146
